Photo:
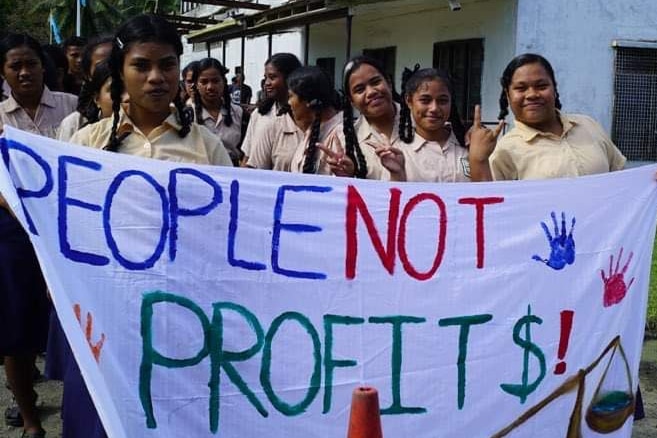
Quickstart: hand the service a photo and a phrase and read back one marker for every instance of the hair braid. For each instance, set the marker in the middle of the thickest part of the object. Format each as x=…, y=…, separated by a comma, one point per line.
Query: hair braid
x=457, y=124
x=116, y=89
x=405, y=122
x=504, y=105
x=185, y=115
x=352, y=148
x=228, y=113
x=310, y=161
x=198, y=105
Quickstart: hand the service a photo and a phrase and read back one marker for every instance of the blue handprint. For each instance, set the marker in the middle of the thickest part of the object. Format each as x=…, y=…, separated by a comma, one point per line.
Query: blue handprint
x=562, y=246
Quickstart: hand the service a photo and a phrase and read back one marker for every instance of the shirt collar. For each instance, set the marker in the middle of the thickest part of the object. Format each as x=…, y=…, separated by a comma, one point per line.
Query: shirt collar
x=419, y=142
x=528, y=133
x=365, y=131
x=127, y=125
x=47, y=99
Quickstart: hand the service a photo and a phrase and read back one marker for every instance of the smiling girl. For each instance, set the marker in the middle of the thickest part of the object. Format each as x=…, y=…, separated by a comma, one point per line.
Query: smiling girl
x=546, y=143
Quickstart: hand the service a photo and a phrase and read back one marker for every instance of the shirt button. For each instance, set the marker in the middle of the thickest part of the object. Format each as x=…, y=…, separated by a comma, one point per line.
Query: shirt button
x=147, y=145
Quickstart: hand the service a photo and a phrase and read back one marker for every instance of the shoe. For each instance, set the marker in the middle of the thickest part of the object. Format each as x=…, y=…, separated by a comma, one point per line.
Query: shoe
x=37, y=434
x=13, y=415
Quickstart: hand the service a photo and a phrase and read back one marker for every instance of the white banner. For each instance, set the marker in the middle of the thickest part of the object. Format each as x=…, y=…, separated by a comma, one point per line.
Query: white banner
x=241, y=303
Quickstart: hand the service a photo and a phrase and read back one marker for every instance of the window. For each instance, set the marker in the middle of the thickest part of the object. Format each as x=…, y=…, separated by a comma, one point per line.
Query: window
x=463, y=60
x=328, y=65
x=634, y=125
x=387, y=57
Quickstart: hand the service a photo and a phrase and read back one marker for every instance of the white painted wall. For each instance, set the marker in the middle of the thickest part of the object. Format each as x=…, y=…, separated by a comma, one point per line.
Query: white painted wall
x=255, y=48
x=413, y=26
x=576, y=37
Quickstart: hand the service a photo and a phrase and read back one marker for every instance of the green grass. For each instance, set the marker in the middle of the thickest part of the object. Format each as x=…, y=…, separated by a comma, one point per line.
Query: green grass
x=651, y=322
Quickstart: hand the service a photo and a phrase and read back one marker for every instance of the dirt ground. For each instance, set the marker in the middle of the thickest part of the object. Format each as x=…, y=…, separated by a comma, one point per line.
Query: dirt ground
x=50, y=397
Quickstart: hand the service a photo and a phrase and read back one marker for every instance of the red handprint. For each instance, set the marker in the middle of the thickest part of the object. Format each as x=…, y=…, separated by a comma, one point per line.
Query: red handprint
x=88, y=329
x=615, y=287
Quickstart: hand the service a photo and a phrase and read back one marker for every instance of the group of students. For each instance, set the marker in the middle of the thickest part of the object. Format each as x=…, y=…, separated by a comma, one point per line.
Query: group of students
x=131, y=102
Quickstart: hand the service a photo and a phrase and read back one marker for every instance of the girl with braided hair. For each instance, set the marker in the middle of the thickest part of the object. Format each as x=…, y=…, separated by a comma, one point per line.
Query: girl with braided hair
x=271, y=117
x=431, y=126
x=371, y=142
x=213, y=107
x=546, y=143
x=315, y=107
x=145, y=64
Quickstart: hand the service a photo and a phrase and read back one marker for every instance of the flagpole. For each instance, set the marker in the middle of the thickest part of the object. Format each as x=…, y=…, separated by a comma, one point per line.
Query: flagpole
x=78, y=23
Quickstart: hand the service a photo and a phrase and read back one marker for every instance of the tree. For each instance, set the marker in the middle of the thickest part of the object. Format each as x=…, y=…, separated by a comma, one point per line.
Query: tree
x=17, y=17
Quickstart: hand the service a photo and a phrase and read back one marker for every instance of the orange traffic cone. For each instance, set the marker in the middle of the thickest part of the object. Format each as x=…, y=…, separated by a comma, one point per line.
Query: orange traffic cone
x=365, y=419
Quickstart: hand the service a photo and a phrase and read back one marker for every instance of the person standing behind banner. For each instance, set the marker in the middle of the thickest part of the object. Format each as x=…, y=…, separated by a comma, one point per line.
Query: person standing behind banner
x=315, y=107
x=546, y=143
x=432, y=128
x=277, y=70
x=73, y=47
x=213, y=107
x=145, y=62
x=24, y=305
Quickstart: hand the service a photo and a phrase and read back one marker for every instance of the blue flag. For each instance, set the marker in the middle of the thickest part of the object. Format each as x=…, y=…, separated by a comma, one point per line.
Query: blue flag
x=83, y=2
x=55, y=29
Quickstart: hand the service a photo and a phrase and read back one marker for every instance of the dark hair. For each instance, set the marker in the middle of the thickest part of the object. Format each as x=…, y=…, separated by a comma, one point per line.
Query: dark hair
x=515, y=64
x=313, y=86
x=191, y=66
x=285, y=64
x=89, y=49
x=13, y=40
x=206, y=64
x=90, y=89
x=144, y=28
x=352, y=148
x=74, y=41
x=411, y=81
x=55, y=61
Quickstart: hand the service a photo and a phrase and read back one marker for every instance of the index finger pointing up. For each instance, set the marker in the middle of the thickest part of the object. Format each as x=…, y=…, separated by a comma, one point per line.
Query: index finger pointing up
x=477, y=117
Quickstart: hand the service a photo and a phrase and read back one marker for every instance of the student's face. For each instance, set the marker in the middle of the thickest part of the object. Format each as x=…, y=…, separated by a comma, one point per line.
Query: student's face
x=430, y=107
x=275, y=85
x=104, y=99
x=150, y=76
x=189, y=82
x=532, y=96
x=369, y=92
x=100, y=53
x=74, y=56
x=210, y=86
x=23, y=72
x=300, y=108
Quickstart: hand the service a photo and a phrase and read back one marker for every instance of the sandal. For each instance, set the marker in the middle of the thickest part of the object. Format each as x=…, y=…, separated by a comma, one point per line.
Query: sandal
x=13, y=415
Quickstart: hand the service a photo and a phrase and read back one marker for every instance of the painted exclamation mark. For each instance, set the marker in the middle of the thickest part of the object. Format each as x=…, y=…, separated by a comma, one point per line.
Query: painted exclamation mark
x=566, y=327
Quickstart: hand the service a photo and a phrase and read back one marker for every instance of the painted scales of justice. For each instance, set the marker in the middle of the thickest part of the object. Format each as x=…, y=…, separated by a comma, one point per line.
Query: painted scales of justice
x=609, y=408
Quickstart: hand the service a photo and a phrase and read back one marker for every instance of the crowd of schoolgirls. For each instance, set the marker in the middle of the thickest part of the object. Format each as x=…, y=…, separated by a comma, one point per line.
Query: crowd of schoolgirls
x=130, y=99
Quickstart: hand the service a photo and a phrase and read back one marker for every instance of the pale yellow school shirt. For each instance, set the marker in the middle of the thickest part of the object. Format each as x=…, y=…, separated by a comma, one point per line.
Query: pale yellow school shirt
x=53, y=108
x=70, y=125
x=329, y=135
x=274, y=145
x=257, y=122
x=582, y=149
x=369, y=140
x=199, y=146
x=429, y=161
x=229, y=135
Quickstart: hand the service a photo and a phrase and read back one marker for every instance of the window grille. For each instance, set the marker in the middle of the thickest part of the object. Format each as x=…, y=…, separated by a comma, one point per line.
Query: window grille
x=634, y=126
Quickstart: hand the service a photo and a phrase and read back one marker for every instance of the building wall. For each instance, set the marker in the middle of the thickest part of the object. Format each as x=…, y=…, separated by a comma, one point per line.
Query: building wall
x=414, y=26
x=576, y=37
x=255, y=49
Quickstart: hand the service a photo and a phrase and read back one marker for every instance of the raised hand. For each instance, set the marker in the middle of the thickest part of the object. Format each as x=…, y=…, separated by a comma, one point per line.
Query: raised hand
x=482, y=145
x=562, y=245
x=339, y=163
x=393, y=160
x=88, y=331
x=614, y=284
